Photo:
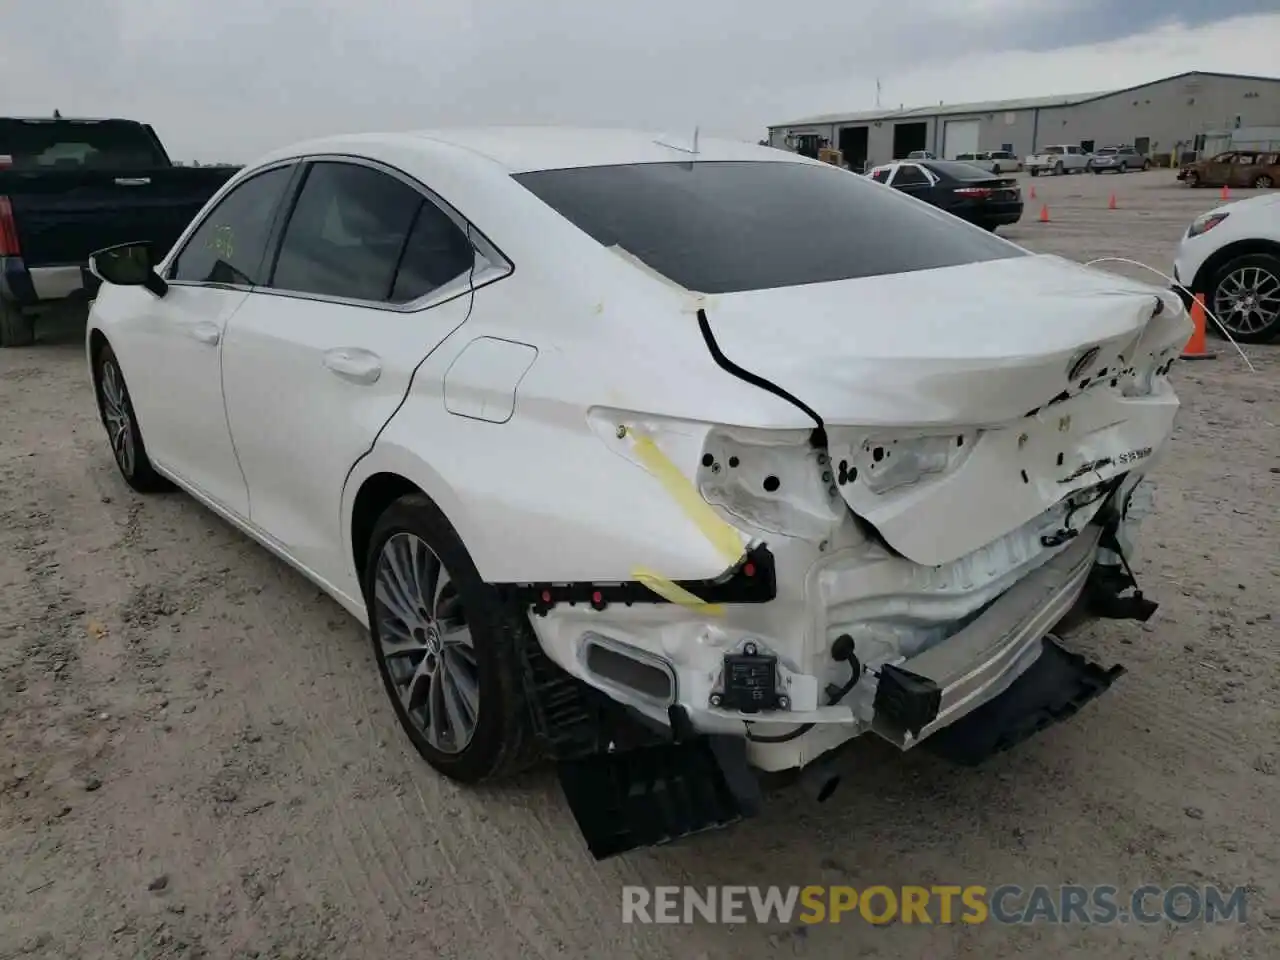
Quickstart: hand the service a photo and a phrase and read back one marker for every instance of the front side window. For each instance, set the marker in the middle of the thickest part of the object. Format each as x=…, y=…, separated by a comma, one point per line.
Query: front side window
x=727, y=226
x=361, y=234
x=228, y=245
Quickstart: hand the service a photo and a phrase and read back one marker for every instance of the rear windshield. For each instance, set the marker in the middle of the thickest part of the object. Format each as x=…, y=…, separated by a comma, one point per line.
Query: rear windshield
x=79, y=144
x=728, y=226
x=1055, y=149
x=1108, y=151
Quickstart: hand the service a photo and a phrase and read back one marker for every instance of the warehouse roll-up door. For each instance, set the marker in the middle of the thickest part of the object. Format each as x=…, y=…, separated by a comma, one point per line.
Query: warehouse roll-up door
x=960, y=136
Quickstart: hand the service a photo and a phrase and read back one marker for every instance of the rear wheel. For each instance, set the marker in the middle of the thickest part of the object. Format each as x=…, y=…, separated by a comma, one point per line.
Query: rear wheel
x=16, y=328
x=447, y=647
x=1146, y=165
x=1245, y=296
x=1263, y=181
x=116, y=409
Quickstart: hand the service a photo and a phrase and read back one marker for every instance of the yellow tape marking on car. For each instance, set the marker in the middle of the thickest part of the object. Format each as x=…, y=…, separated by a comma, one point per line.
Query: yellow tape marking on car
x=673, y=592
x=722, y=536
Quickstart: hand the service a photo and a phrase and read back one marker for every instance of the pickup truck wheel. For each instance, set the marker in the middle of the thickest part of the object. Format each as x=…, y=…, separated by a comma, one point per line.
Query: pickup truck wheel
x=116, y=409
x=1057, y=169
x=447, y=647
x=16, y=328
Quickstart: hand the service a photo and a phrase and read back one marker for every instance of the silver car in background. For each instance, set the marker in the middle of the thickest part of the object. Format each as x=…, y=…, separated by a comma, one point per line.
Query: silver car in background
x=1121, y=159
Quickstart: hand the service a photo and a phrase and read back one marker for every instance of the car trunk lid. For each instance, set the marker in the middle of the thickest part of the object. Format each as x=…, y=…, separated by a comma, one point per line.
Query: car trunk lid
x=999, y=356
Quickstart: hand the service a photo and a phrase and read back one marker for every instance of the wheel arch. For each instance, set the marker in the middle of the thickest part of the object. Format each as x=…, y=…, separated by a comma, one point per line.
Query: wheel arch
x=97, y=340
x=1220, y=258
x=381, y=478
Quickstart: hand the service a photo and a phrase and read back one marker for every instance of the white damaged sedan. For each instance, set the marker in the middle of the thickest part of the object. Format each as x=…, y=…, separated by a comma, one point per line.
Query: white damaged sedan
x=673, y=462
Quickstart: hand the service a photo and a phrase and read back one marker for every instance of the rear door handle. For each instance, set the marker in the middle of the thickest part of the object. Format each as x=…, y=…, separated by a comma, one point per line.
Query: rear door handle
x=351, y=363
x=205, y=332
x=132, y=181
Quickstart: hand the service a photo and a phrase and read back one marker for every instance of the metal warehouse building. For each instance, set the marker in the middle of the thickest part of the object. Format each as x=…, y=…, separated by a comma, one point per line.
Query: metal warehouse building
x=1158, y=118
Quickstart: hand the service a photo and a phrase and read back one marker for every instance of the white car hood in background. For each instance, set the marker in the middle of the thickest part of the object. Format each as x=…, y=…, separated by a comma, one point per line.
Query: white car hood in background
x=972, y=345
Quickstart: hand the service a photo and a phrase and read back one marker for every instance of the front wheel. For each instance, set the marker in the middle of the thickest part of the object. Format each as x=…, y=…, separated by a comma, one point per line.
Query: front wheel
x=115, y=407
x=1246, y=297
x=1146, y=165
x=1057, y=169
x=1192, y=179
x=447, y=647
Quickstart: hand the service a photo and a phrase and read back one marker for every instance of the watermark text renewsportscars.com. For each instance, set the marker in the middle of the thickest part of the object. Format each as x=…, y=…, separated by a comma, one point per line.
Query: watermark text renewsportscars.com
x=936, y=904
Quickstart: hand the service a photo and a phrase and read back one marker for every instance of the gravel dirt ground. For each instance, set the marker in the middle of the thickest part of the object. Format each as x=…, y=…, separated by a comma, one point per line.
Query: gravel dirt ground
x=196, y=757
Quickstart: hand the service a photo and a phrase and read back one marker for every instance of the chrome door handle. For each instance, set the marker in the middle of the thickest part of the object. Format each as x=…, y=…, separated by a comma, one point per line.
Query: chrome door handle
x=358, y=366
x=132, y=181
x=206, y=332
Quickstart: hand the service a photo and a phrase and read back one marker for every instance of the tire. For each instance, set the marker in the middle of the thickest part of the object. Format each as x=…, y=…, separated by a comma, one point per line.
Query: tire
x=1192, y=179
x=1034, y=171
x=1260, y=271
x=482, y=675
x=16, y=328
x=115, y=408
x=1146, y=165
x=1057, y=169
x=1263, y=182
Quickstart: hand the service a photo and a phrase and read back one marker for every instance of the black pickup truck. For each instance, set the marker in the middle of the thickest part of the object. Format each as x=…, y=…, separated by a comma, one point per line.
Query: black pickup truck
x=69, y=187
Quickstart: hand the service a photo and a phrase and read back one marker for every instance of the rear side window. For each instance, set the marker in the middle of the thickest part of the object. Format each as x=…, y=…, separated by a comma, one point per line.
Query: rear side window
x=726, y=226
x=79, y=144
x=361, y=234
x=228, y=245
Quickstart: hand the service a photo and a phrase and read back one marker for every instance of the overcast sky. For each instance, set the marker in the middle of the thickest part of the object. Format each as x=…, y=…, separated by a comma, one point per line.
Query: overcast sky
x=230, y=79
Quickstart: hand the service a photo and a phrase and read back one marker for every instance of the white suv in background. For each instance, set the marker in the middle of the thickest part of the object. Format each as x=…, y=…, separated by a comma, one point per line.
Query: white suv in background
x=1065, y=158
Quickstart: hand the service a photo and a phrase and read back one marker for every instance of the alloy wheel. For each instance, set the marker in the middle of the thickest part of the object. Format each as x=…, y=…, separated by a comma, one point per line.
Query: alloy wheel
x=426, y=642
x=118, y=415
x=1248, y=299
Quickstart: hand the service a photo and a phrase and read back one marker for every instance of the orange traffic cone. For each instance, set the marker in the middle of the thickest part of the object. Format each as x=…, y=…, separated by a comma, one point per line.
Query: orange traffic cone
x=1111, y=205
x=1044, y=213
x=1195, y=348
x=1032, y=194
x=1226, y=194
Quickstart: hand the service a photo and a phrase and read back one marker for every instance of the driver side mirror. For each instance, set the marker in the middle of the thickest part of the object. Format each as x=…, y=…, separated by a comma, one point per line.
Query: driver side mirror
x=128, y=265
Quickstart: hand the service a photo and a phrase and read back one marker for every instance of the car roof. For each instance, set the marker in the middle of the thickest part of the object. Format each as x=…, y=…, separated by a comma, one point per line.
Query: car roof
x=522, y=149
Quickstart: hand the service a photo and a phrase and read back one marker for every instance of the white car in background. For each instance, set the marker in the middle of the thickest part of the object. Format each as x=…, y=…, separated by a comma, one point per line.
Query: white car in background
x=1057, y=160
x=993, y=161
x=1231, y=255
x=608, y=444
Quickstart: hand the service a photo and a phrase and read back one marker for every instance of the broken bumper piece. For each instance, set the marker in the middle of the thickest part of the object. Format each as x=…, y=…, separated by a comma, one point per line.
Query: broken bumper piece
x=1052, y=689
x=656, y=794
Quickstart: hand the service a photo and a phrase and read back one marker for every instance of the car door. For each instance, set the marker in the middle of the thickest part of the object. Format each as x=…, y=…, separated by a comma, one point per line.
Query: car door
x=370, y=275
x=1242, y=170
x=179, y=337
x=1217, y=171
